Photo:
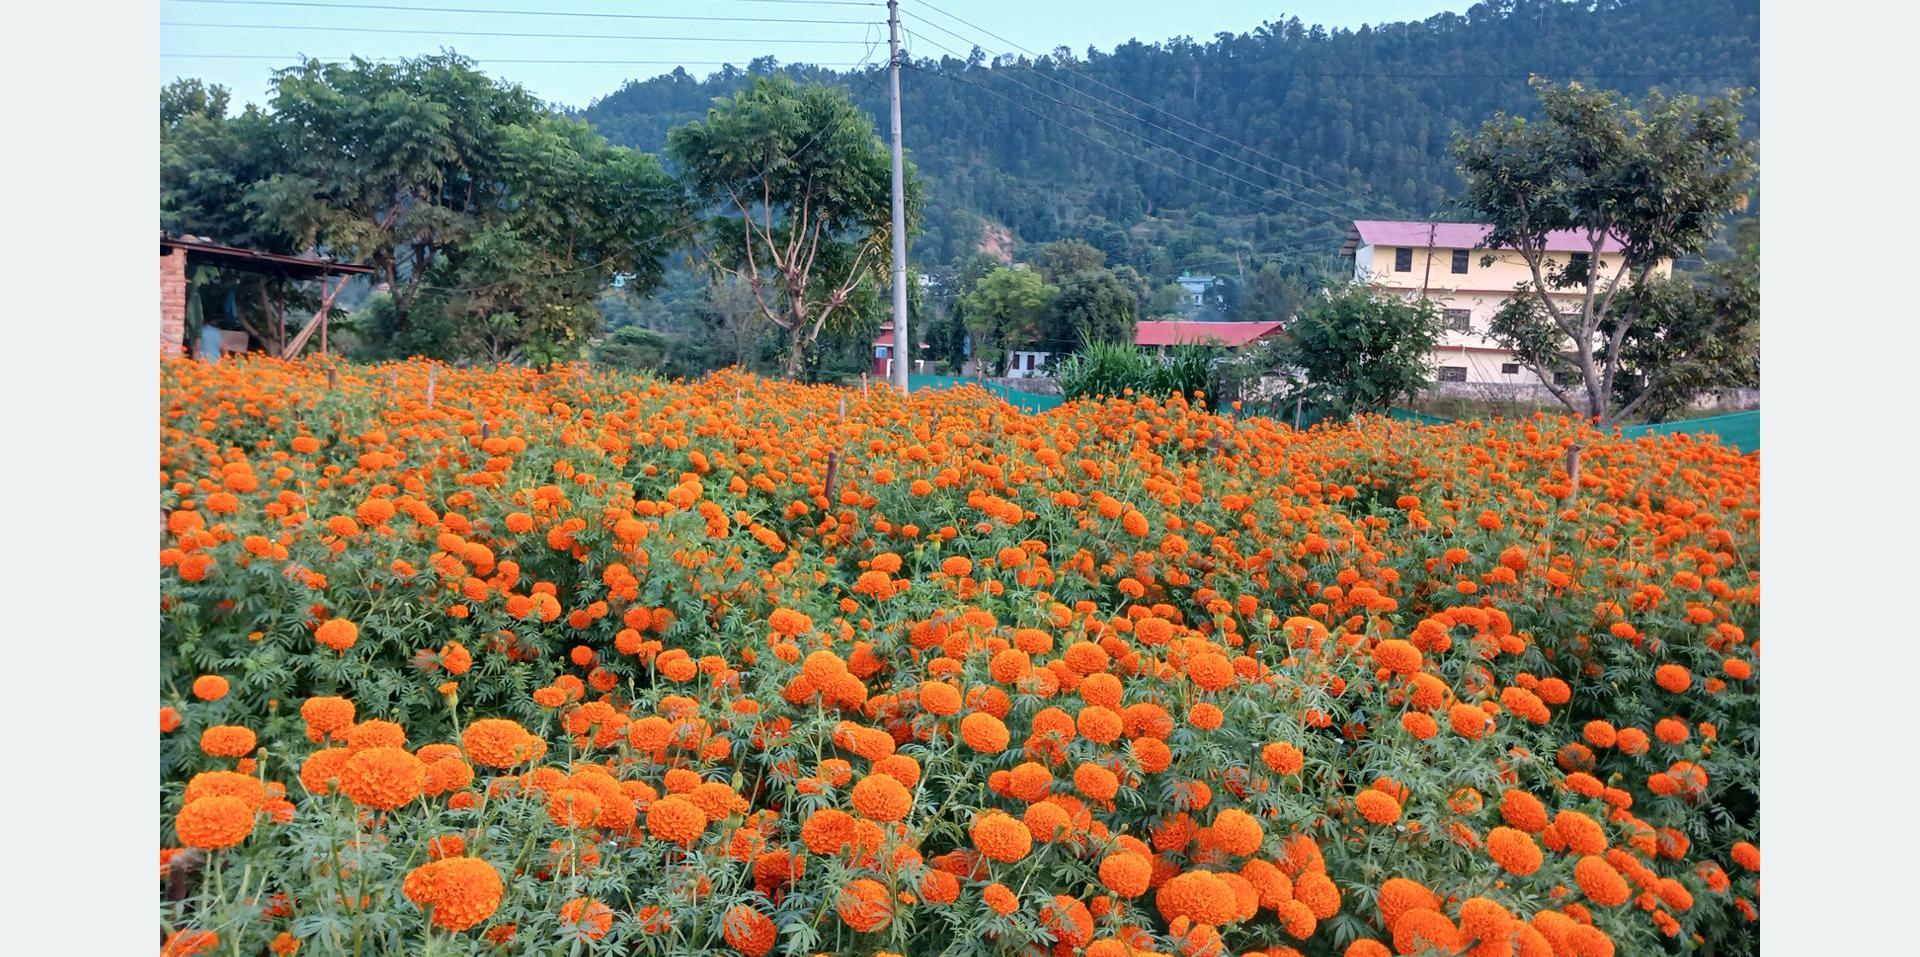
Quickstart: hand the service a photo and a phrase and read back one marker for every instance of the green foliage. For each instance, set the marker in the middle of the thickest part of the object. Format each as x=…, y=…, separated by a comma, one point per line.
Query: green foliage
x=1006, y=308
x=1367, y=111
x=1092, y=306
x=1658, y=177
x=800, y=187
x=1356, y=350
x=490, y=222
x=1111, y=369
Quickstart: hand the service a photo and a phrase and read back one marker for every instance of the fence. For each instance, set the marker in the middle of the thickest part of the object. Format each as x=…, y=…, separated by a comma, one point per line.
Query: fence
x=1024, y=401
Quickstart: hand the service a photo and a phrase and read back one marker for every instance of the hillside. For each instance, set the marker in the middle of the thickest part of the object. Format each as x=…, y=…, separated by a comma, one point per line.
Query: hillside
x=1302, y=127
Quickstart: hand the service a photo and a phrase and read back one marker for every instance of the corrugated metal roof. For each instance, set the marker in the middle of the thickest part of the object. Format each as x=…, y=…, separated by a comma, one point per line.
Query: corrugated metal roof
x=1389, y=232
x=241, y=257
x=1161, y=333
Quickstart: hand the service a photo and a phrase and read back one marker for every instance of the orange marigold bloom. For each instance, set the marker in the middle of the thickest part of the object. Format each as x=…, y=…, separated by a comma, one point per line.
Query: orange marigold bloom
x=1126, y=873
x=1096, y=782
x=1205, y=715
x=1376, y=806
x=677, y=820
x=1673, y=678
x=213, y=822
x=1001, y=898
x=227, y=741
x=1600, y=882
x=321, y=767
x=1599, y=733
x=243, y=786
x=1237, y=832
x=984, y=733
x=1001, y=837
x=590, y=919
x=1099, y=725
x=1523, y=811
x=1747, y=855
x=383, y=778
x=188, y=942
x=1421, y=930
x=1419, y=724
x=940, y=698
x=1282, y=758
x=1468, y=721
x=209, y=687
x=337, y=633
x=881, y=798
x=747, y=931
x=169, y=719
x=864, y=905
x=1514, y=850
x=1199, y=895
x=1398, y=656
x=327, y=714
x=1398, y=895
x=499, y=743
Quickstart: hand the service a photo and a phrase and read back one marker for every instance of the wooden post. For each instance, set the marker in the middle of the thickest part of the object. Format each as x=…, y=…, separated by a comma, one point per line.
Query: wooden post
x=431, y=370
x=1297, y=403
x=833, y=471
x=842, y=416
x=1573, y=471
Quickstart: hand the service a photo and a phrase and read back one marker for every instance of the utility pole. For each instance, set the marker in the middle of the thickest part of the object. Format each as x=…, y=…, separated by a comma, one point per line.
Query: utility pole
x=901, y=353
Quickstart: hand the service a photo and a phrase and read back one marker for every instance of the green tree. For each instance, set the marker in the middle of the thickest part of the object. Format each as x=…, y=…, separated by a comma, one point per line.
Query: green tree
x=1008, y=307
x=1359, y=350
x=1272, y=294
x=801, y=188
x=490, y=222
x=1093, y=306
x=1695, y=334
x=1658, y=178
x=1062, y=258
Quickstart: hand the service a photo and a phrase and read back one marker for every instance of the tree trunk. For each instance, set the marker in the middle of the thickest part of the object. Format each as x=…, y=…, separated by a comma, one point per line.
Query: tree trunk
x=796, y=359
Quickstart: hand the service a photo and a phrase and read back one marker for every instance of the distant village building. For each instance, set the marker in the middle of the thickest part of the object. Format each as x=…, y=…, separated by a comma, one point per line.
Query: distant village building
x=1155, y=336
x=1442, y=261
x=1196, y=288
x=883, y=356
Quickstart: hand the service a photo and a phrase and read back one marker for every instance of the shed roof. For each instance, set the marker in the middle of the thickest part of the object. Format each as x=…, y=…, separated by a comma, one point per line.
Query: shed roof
x=1165, y=333
x=237, y=257
x=1388, y=232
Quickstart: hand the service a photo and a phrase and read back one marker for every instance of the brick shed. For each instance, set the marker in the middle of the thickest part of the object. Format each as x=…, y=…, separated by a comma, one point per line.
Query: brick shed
x=179, y=253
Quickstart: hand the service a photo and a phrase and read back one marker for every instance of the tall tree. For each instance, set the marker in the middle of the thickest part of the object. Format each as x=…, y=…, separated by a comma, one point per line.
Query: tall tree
x=1094, y=306
x=490, y=222
x=1658, y=178
x=1063, y=257
x=1359, y=350
x=1006, y=308
x=801, y=189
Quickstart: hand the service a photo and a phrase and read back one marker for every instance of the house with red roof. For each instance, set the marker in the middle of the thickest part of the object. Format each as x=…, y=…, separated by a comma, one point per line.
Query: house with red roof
x=1453, y=265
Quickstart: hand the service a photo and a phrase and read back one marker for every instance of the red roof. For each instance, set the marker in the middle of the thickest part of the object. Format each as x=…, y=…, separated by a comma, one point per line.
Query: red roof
x=1225, y=333
x=1380, y=232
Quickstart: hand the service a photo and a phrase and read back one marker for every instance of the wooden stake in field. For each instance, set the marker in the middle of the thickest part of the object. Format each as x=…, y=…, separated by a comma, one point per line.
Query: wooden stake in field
x=1573, y=471
x=430, y=373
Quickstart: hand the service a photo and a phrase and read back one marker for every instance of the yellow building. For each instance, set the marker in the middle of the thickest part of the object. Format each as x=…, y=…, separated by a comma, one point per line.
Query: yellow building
x=1442, y=261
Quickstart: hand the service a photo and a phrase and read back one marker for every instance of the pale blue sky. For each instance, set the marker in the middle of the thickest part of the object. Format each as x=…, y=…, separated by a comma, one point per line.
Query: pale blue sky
x=239, y=44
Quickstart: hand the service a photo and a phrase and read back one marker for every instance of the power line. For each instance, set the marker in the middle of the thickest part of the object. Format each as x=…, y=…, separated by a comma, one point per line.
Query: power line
x=1107, y=146
x=1130, y=96
x=292, y=57
x=411, y=8
x=491, y=33
x=1150, y=143
x=1363, y=209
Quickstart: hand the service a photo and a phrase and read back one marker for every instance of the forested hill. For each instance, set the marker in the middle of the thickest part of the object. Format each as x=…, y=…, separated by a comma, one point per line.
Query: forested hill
x=1240, y=149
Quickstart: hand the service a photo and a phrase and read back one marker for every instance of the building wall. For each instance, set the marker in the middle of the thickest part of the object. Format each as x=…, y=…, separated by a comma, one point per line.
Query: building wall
x=173, y=303
x=1481, y=290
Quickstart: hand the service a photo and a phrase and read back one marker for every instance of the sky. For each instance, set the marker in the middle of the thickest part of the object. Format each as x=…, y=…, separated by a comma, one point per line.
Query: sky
x=603, y=43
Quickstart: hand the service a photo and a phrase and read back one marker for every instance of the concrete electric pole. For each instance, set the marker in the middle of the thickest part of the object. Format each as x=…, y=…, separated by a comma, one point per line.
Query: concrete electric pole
x=902, y=355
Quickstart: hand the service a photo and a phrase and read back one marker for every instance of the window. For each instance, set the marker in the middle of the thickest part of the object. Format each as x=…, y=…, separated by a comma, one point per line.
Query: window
x=1460, y=261
x=1577, y=264
x=1453, y=373
x=1403, y=259
x=1509, y=368
x=1459, y=320
x=1566, y=377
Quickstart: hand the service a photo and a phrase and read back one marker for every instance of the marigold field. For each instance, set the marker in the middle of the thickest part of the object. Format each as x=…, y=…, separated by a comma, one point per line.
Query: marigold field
x=462, y=661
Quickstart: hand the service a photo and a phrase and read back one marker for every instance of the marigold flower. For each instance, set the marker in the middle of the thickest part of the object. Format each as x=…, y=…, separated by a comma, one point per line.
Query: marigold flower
x=208, y=783
x=1000, y=898
x=1673, y=678
x=169, y=719
x=1600, y=882
x=590, y=919
x=1001, y=837
x=227, y=741
x=1237, y=832
x=459, y=892
x=214, y=822
x=337, y=633
x=188, y=942
x=881, y=798
x=209, y=687
x=1199, y=895
x=1523, y=811
x=984, y=733
x=1126, y=874
x=382, y=778
x=1282, y=758
x=1468, y=721
x=1514, y=850
x=1377, y=807
x=864, y=905
x=321, y=767
x=499, y=743
x=747, y=931
x=676, y=820
x=327, y=715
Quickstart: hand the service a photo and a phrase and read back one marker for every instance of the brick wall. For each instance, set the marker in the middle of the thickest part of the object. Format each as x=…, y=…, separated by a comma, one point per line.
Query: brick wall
x=173, y=303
